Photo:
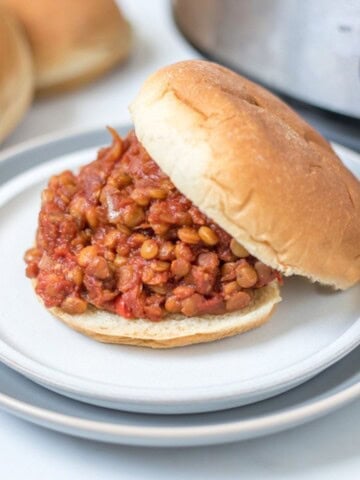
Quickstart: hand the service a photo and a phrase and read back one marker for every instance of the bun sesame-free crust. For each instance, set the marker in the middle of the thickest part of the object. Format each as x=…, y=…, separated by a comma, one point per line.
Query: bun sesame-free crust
x=16, y=73
x=250, y=163
x=73, y=42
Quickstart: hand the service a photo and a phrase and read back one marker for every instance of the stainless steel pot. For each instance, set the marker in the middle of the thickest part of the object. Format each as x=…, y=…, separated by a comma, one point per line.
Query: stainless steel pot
x=308, y=49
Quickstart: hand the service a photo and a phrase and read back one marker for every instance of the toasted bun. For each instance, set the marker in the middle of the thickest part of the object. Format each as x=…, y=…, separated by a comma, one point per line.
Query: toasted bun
x=255, y=167
x=176, y=331
x=73, y=42
x=16, y=73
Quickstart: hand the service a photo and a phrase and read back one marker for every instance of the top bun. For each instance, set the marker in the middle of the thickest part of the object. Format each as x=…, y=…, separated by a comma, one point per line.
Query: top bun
x=73, y=42
x=16, y=73
x=250, y=163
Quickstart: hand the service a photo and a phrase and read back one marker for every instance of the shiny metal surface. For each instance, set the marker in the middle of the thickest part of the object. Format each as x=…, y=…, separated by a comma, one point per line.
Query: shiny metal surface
x=308, y=49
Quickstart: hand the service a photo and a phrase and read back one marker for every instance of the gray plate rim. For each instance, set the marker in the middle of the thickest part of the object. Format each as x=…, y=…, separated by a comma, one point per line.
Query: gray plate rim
x=179, y=436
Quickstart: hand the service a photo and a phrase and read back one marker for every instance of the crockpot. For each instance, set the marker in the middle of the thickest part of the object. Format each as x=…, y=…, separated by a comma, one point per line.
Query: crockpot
x=306, y=49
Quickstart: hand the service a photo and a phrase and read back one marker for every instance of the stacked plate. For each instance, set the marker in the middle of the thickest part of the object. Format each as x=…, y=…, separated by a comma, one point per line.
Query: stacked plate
x=223, y=391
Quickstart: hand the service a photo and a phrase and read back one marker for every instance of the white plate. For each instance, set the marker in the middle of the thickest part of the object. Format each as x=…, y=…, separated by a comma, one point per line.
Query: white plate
x=336, y=387
x=311, y=329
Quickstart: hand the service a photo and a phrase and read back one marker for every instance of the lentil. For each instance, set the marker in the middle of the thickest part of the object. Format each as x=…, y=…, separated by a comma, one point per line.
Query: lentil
x=238, y=250
x=208, y=236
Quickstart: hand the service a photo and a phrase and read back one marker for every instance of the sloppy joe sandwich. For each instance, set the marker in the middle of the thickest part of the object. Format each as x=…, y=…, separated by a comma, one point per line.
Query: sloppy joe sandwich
x=180, y=233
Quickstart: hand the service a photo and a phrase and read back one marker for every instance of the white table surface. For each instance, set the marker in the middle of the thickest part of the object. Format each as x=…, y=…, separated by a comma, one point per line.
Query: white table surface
x=327, y=449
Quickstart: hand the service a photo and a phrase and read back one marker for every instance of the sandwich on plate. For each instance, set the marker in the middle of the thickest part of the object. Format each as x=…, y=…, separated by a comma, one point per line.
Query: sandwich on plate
x=182, y=232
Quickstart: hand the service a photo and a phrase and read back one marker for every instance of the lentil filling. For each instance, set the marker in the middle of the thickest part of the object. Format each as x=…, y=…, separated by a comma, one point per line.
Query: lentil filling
x=121, y=237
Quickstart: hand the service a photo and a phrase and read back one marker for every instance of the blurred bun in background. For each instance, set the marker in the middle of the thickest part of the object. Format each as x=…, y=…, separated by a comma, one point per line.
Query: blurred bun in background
x=16, y=73
x=73, y=41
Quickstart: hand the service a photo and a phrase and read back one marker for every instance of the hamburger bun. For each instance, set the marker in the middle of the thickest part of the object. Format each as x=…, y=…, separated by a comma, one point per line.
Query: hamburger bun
x=16, y=73
x=73, y=42
x=250, y=163
x=175, y=330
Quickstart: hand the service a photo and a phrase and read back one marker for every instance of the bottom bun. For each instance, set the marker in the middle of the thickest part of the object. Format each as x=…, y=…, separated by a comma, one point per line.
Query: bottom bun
x=176, y=331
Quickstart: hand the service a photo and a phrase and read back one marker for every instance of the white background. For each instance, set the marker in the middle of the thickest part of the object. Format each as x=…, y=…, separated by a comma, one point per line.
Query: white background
x=325, y=449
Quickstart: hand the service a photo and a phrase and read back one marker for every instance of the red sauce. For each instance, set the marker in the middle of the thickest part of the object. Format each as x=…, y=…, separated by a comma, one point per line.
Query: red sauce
x=121, y=237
